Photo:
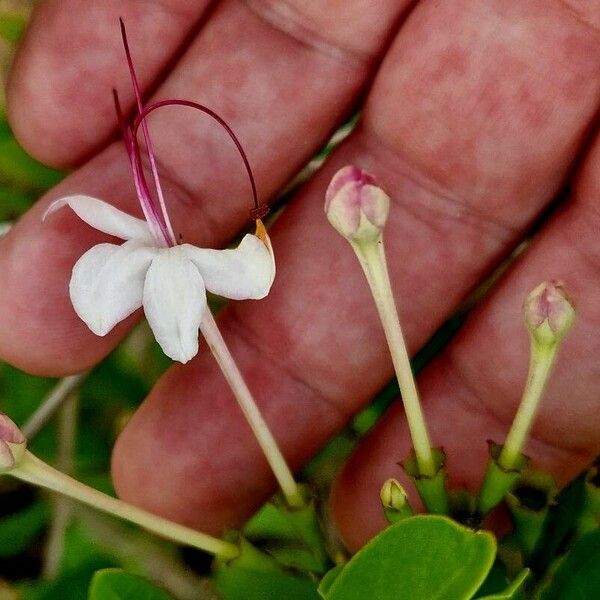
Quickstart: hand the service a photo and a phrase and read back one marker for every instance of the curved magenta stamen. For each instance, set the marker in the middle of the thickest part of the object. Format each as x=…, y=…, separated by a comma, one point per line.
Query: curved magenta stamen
x=164, y=221
x=147, y=203
x=258, y=210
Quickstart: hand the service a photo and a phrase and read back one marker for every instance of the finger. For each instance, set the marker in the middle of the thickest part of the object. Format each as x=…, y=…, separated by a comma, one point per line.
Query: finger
x=59, y=100
x=472, y=390
x=274, y=86
x=313, y=351
x=60, y=104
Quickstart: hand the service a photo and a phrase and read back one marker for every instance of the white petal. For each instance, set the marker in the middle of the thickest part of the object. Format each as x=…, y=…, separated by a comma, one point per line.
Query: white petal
x=107, y=282
x=244, y=272
x=174, y=302
x=105, y=217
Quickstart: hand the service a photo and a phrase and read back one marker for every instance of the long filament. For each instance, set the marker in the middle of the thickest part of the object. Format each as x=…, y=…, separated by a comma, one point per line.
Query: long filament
x=149, y=147
x=259, y=210
x=148, y=206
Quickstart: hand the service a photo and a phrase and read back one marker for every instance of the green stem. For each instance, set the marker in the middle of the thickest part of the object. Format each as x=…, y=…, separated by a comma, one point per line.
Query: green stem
x=540, y=363
x=372, y=259
x=259, y=427
x=32, y=470
x=61, y=506
x=51, y=403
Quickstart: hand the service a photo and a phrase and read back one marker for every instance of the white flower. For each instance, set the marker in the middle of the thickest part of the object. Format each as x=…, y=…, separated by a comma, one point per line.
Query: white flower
x=111, y=281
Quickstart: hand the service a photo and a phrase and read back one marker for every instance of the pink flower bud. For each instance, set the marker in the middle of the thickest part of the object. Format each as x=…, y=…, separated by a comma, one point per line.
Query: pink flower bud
x=549, y=312
x=355, y=205
x=12, y=443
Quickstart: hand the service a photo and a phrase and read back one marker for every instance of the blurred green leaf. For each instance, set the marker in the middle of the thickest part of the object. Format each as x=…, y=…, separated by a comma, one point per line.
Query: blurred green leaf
x=20, y=170
x=81, y=550
x=425, y=557
x=12, y=25
x=13, y=203
x=497, y=580
x=513, y=592
x=578, y=575
x=71, y=585
x=116, y=584
x=19, y=530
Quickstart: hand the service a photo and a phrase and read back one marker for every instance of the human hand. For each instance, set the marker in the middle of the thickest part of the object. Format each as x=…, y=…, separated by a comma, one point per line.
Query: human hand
x=477, y=116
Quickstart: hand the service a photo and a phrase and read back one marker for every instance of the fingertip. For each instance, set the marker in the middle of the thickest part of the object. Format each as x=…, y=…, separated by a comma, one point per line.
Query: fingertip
x=52, y=98
x=59, y=102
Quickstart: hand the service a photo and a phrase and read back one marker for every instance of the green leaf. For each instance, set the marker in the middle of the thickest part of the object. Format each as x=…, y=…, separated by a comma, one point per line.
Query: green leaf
x=427, y=557
x=254, y=575
x=116, y=584
x=328, y=580
x=22, y=171
x=12, y=25
x=18, y=530
x=513, y=592
x=245, y=584
x=578, y=575
x=71, y=585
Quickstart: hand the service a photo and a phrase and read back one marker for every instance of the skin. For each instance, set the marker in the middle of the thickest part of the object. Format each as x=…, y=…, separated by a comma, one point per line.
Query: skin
x=477, y=115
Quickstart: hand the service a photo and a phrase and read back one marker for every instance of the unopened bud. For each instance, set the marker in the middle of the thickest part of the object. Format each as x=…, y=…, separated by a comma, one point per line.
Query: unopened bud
x=12, y=443
x=392, y=495
x=355, y=205
x=395, y=501
x=549, y=312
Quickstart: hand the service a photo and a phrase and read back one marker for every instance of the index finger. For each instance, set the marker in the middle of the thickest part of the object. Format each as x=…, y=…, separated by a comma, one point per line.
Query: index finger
x=59, y=98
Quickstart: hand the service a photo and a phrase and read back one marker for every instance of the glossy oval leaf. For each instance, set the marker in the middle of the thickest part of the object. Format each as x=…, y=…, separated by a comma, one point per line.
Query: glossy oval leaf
x=426, y=557
x=116, y=584
x=578, y=576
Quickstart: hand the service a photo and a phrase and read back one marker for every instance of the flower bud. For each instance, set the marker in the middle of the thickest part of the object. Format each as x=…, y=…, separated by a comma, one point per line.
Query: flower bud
x=355, y=205
x=394, y=501
x=392, y=495
x=549, y=313
x=12, y=443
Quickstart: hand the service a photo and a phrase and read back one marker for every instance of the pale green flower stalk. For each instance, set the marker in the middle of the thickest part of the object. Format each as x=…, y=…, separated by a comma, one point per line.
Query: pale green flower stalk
x=358, y=209
x=18, y=462
x=549, y=314
x=289, y=487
